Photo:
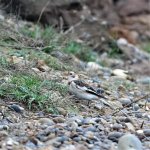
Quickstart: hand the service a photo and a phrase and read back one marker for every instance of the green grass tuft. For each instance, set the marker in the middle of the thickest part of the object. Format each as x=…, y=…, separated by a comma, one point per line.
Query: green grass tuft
x=114, y=51
x=55, y=41
x=146, y=47
x=32, y=91
x=81, y=51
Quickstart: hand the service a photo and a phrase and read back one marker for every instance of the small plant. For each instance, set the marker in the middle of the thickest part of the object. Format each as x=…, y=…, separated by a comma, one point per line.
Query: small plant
x=146, y=47
x=54, y=41
x=53, y=85
x=32, y=91
x=81, y=51
x=114, y=51
x=3, y=62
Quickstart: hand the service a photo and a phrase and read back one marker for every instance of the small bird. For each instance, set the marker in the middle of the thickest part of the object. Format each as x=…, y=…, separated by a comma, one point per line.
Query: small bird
x=129, y=142
x=84, y=91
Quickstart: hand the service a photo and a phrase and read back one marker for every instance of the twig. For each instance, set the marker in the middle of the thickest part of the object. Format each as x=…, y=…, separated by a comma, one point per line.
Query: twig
x=42, y=11
x=142, y=125
x=120, y=109
x=16, y=46
x=72, y=27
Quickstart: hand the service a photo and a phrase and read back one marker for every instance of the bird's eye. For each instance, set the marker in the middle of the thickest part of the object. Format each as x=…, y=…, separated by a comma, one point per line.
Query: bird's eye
x=71, y=73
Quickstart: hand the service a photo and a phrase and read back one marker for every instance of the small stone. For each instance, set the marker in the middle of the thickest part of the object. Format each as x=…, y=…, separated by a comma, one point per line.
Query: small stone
x=73, y=125
x=117, y=126
x=125, y=101
x=56, y=144
x=103, y=121
x=69, y=147
x=42, y=138
x=4, y=127
x=62, y=111
x=16, y=108
x=90, y=146
x=46, y=121
x=62, y=139
x=81, y=147
x=130, y=126
x=136, y=107
x=79, y=129
x=3, y=134
x=140, y=134
x=120, y=73
x=98, y=106
x=146, y=132
x=114, y=136
x=51, y=136
x=77, y=139
x=92, y=66
x=91, y=128
x=88, y=121
x=77, y=119
x=139, y=115
x=11, y=142
x=145, y=80
x=30, y=145
x=59, y=120
x=89, y=135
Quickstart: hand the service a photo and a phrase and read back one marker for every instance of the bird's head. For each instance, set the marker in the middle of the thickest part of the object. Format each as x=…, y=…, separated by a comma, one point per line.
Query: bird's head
x=72, y=76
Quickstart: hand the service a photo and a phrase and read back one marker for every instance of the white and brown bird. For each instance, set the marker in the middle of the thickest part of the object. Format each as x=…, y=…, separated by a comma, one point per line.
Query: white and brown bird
x=84, y=91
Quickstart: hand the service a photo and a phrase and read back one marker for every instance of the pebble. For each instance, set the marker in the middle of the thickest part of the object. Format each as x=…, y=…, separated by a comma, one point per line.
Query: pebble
x=3, y=134
x=89, y=134
x=62, y=139
x=73, y=125
x=90, y=128
x=77, y=119
x=4, y=127
x=125, y=101
x=145, y=80
x=98, y=106
x=146, y=132
x=62, y=111
x=46, y=121
x=79, y=129
x=140, y=134
x=88, y=121
x=117, y=126
x=130, y=126
x=77, y=139
x=90, y=146
x=138, y=115
x=69, y=147
x=16, y=108
x=59, y=120
x=56, y=144
x=136, y=107
x=114, y=136
x=31, y=145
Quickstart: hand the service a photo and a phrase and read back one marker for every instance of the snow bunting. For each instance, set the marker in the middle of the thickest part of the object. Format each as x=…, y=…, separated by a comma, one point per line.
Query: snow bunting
x=84, y=91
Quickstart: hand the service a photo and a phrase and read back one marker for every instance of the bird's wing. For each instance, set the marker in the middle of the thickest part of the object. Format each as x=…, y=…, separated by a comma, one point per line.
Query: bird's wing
x=85, y=87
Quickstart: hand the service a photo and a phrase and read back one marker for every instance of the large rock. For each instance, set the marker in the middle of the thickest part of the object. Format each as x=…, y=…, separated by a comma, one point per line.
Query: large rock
x=133, y=7
x=45, y=11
